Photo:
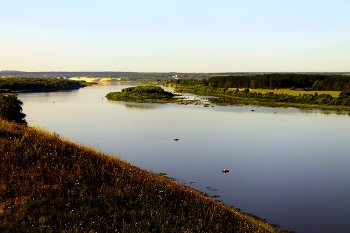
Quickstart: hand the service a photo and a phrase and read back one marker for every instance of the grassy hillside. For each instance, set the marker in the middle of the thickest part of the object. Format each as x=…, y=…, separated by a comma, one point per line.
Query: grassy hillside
x=48, y=184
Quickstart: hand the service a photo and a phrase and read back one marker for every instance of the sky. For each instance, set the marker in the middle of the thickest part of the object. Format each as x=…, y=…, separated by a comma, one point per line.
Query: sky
x=201, y=36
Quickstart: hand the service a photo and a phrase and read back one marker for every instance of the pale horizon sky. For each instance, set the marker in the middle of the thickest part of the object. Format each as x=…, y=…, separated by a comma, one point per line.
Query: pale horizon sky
x=175, y=36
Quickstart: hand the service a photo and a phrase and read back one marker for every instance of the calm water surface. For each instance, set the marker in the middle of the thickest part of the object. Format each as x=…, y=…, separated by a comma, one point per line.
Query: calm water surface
x=288, y=166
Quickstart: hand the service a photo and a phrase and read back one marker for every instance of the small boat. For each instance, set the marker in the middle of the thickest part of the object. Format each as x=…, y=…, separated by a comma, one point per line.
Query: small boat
x=176, y=139
x=225, y=170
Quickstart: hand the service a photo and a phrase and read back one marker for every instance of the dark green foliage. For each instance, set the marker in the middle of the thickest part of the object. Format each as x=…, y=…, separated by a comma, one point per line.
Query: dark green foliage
x=39, y=84
x=344, y=95
x=187, y=82
x=315, y=82
x=11, y=109
x=48, y=184
x=314, y=99
x=140, y=94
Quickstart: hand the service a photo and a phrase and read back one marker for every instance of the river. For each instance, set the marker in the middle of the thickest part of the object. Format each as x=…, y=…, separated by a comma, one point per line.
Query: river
x=286, y=165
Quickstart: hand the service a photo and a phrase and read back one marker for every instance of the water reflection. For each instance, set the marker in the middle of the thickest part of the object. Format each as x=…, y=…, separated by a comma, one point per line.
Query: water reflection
x=140, y=105
x=207, y=97
x=325, y=112
x=48, y=96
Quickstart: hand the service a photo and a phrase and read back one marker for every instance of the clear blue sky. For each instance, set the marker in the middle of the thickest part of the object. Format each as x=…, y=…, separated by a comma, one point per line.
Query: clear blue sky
x=180, y=36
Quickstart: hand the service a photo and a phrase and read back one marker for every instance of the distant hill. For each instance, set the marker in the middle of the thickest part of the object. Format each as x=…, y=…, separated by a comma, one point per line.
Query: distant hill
x=63, y=74
x=115, y=74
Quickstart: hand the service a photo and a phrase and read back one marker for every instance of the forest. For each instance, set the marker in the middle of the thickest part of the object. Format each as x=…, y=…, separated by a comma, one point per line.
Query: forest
x=314, y=99
x=38, y=84
x=316, y=82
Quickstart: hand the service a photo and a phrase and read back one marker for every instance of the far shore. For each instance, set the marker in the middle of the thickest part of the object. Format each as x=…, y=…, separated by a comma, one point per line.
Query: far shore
x=246, y=101
x=227, y=100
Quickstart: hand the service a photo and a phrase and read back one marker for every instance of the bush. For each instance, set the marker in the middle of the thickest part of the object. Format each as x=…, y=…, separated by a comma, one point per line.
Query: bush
x=11, y=109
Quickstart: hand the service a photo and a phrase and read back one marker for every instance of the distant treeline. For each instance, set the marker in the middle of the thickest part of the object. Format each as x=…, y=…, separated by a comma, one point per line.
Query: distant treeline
x=55, y=74
x=315, y=82
x=314, y=99
x=126, y=76
x=39, y=84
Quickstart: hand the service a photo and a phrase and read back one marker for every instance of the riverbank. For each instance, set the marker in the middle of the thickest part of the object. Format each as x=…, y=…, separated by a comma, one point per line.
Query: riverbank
x=270, y=99
x=229, y=100
x=51, y=184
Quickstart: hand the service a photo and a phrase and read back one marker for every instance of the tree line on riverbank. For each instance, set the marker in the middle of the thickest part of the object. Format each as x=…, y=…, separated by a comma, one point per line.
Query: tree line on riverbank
x=39, y=84
x=314, y=99
x=197, y=86
x=315, y=82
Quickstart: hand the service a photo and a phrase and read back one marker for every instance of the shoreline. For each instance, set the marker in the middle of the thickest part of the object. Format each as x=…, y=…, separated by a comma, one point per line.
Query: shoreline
x=139, y=199
x=239, y=101
x=273, y=104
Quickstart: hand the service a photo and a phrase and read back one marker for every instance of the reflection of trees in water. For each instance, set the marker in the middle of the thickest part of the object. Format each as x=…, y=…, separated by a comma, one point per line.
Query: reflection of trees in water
x=325, y=112
x=141, y=106
x=135, y=105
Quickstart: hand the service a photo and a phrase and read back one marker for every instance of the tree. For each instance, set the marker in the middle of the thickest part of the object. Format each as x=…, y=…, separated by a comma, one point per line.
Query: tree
x=344, y=95
x=11, y=109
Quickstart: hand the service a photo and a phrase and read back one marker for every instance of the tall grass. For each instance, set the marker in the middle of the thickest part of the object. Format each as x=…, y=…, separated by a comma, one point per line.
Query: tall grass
x=334, y=94
x=49, y=184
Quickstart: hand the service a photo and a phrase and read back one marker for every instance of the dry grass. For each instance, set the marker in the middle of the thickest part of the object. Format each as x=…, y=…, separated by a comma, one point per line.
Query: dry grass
x=334, y=94
x=49, y=184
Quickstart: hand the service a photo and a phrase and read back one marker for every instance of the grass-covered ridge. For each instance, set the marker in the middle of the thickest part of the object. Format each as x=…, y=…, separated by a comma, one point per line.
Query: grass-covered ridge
x=141, y=94
x=49, y=184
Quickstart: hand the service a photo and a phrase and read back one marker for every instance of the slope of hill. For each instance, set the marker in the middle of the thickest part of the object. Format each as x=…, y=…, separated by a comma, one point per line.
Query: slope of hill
x=49, y=184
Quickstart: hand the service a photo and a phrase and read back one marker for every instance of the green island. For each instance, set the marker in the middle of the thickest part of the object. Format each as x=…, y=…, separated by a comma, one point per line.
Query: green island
x=37, y=84
x=49, y=184
x=151, y=94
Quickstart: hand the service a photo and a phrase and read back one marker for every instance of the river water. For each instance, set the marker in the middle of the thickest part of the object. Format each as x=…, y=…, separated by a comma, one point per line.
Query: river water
x=288, y=166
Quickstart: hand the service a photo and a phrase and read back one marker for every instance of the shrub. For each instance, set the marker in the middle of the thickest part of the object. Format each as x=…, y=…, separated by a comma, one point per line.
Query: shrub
x=11, y=109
